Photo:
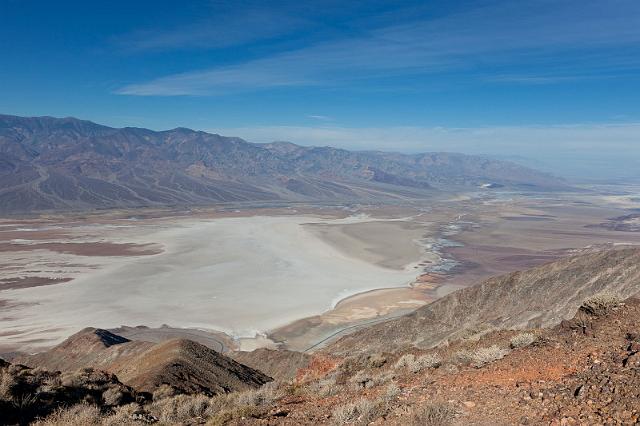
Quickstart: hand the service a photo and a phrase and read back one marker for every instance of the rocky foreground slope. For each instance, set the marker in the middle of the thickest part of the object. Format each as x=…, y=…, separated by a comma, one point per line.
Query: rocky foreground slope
x=538, y=297
x=63, y=164
x=584, y=369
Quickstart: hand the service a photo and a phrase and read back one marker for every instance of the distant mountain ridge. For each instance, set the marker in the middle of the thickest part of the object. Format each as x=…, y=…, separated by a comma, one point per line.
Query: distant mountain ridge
x=70, y=164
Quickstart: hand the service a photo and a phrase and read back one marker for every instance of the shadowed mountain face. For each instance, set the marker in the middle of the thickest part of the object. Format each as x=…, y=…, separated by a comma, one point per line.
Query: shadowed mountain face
x=63, y=164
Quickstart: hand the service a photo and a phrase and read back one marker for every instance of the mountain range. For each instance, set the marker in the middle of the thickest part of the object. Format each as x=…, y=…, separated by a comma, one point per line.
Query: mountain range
x=69, y=164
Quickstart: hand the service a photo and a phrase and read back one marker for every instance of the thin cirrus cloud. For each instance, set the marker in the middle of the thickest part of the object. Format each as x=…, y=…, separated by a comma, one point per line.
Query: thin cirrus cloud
x=319, y=117
x=235, y=29
x=501, y=34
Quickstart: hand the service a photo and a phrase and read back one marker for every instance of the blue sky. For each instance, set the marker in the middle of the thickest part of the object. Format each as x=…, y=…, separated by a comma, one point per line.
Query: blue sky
x=550, y=80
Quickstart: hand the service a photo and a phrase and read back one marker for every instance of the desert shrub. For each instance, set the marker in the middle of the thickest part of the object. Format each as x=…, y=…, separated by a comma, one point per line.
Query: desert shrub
x=85, y=377
x=483, y=356
x=51, y=383
x=353, y=364
x=601, y=303
x=436, y=414
x=425, y=361
x=8, y=383
x=24, y=402
x=221, y=403
x=522, y=340
x=325, y=387
x=361, y=412
x=383, y=378
x=163, y=391
x=78, y=415
x=376, y=361
x=180, y=408
x=125, y=415
x=392, y=391
x=194, y=406
x=224, y=417
x=404, y=361
x=462, y=357
x=416, y=364
x=294, y=388
x=113, y=396
x=266, y=395
x=361, y=380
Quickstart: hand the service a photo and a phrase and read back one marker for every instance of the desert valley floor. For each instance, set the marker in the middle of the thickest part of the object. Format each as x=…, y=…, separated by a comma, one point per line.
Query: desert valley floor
x=240, y=277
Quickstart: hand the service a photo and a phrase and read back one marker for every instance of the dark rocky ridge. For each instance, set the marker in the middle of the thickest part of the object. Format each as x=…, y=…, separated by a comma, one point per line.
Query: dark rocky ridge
x=69, y=164
x=539, y=297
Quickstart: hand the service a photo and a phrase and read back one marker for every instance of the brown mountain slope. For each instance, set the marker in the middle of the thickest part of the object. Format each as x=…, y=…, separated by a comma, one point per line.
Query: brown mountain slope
x=583, y=372
x=64, y=164
x=538, y=297
x=185, y=365
x=90, y=347
x=280, y=364
x=189, y=367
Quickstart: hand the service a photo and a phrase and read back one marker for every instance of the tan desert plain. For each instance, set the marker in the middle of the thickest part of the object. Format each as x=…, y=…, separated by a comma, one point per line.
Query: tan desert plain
x=288, y=276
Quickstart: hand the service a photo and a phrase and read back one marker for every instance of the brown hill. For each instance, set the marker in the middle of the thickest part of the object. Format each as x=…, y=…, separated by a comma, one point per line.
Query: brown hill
x=89, y=347
x=538, y=297
x=187, y=366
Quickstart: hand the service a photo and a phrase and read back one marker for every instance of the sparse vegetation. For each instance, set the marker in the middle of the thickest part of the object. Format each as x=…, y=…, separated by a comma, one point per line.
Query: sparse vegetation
x=361, y=412
x=325, y=387
x=362, y=380
x=392, y=391
x=404, y=361
x=483, y=356
x=180, y=408
x=416, y=364
x=522, y=340
x=436, y=414
x=426, y=361
x=27, y=394
x=265, y=395
x=601, y=303
x=78, y=415
x=163, y=391
x=376, y=361
x=462, y=357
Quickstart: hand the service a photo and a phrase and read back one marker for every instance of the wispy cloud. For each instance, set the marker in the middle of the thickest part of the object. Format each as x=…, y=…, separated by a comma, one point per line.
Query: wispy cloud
x=219, y=28
x=498, y=34
x=319, y=117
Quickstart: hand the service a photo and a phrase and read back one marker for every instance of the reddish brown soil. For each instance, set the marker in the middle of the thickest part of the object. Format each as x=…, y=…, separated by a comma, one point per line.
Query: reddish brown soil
x=584, y=372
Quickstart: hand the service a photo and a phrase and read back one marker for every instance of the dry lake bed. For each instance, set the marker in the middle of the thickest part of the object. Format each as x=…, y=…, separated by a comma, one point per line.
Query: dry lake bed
x=289, y=276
